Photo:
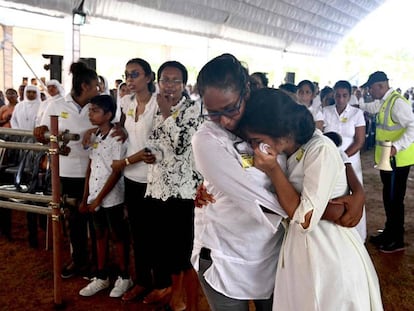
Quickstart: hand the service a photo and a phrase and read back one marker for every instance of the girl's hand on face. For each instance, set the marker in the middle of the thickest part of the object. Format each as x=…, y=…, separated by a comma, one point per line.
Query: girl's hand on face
x=265, y=162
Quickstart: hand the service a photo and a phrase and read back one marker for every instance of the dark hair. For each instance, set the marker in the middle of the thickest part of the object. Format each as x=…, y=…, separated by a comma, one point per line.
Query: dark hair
x=335, y=137
x=81, y=73
x=147, y=69
x=289, y=87
x=342, y=84
x=174, y=64
x=262, y=76
x=274, y=113
x=223, y=72
x=325, y=91
x=11, y=90
x=308, y=83
x=106, y=103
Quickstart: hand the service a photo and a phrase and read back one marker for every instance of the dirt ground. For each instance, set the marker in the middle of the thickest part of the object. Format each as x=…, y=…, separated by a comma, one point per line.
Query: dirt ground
x=26, y=279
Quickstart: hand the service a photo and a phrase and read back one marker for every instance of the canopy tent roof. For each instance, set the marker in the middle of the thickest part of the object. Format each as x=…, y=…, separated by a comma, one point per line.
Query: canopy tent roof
x=311, y=27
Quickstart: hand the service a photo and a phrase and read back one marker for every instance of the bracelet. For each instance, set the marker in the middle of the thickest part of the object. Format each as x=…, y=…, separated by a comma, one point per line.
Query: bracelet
x=127, y=162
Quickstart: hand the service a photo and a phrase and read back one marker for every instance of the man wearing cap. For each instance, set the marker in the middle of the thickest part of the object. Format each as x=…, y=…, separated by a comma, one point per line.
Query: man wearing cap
x=395, y=123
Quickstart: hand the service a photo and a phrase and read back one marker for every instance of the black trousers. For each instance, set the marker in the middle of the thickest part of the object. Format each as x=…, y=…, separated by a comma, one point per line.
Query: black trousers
x=143, y=216
x=78, y=224
x=393, y=193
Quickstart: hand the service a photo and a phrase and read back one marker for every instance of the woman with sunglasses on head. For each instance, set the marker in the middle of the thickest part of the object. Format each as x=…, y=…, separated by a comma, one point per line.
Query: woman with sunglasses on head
x=139, y=110
x=237, y=234
x=322, y=266
x=172, y=183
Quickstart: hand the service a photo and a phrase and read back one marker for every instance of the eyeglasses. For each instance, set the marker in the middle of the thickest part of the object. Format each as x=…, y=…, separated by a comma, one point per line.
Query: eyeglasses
x=132, y=75
x=229, y=112
x=171, y=82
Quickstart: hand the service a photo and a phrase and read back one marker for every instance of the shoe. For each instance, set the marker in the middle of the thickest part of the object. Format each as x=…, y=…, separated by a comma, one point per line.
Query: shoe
x=136, y=292
x=69, y=271
x=157, y=295
x=93, y=287
x=378, y=239
x=392, y=247
x=121, y=286
x=72, y=269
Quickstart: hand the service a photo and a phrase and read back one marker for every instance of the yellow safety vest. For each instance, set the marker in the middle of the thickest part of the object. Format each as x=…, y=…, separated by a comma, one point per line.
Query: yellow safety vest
x=387, y=129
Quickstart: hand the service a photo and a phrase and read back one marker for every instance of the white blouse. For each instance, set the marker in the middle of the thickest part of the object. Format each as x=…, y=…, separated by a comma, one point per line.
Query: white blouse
x=138, y=133
x=345, y=124
x=244, y=240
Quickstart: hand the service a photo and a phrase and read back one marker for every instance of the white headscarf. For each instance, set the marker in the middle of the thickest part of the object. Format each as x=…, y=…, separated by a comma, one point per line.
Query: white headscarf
x=105, y=91
x=32, y=88
x=58, y=85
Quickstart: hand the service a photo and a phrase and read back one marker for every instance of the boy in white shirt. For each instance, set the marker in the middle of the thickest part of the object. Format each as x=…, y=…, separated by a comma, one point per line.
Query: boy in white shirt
x=104, y=197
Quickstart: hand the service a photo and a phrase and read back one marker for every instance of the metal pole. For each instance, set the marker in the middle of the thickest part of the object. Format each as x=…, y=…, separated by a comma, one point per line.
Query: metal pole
x=66, y=135
x=25, y=196
x=56, y=220
x=26, y=207
x=26, y=146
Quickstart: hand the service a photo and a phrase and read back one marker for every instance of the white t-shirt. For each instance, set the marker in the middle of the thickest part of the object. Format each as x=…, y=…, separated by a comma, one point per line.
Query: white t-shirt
x=43, y=107
x=74, y=118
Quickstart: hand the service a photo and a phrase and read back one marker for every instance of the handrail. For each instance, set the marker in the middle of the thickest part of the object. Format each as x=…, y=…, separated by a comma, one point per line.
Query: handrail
x=53, y=201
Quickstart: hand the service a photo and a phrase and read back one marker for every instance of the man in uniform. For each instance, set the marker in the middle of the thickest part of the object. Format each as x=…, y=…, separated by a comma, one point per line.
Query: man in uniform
x=395, y=123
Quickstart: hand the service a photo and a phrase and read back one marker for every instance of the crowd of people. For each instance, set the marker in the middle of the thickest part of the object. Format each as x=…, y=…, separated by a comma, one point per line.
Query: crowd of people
x=237, y=187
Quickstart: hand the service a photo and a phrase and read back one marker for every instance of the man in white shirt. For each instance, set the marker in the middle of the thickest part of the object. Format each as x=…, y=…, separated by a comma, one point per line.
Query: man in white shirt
x=395, y=123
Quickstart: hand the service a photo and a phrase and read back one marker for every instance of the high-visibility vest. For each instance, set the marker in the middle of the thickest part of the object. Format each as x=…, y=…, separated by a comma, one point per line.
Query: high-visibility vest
x=387, y=129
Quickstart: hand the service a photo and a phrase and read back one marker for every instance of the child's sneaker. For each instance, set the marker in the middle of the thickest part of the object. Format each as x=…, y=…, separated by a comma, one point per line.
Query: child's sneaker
x=120, y=287
x=93, y=287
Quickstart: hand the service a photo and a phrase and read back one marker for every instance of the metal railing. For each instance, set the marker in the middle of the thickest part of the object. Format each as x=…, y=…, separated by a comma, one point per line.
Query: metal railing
x=53, y=209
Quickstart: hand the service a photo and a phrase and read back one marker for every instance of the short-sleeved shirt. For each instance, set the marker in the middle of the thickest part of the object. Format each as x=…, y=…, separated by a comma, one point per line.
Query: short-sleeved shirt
x=104, y=150
x=74, y=118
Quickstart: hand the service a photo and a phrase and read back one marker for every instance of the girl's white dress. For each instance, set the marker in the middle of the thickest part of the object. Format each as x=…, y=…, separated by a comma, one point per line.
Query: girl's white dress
x=324, y=267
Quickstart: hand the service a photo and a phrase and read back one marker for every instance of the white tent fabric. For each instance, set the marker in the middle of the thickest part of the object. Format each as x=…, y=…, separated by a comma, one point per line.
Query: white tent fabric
x=311, y=27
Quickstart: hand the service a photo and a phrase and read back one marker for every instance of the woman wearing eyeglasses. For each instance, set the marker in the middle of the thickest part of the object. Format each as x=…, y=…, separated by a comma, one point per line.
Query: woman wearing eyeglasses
x=172, y=183
x=139, y=110
x=238, y=234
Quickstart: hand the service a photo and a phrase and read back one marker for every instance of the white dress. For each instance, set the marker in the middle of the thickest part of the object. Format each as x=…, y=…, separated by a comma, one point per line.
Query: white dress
x=326, y=266
x=345, y=124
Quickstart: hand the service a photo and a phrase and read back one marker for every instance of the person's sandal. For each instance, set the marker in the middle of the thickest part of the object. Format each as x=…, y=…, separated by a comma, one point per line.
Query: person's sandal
x=157, y=295
x=134, y=293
